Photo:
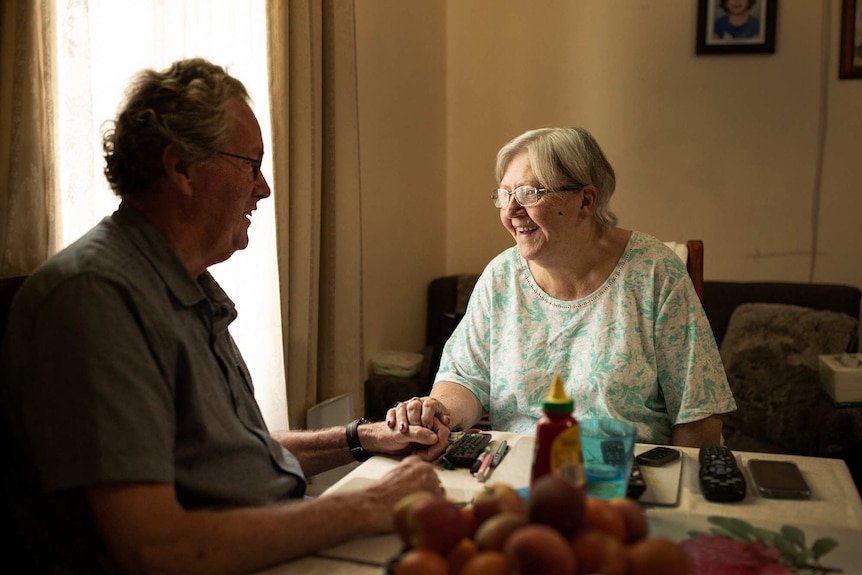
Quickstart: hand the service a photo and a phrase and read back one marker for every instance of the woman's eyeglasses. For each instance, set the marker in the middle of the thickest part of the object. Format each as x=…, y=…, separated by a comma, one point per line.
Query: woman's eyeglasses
x=526, y=195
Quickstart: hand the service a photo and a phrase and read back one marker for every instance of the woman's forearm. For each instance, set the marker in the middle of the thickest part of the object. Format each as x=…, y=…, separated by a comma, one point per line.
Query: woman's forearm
x=464, y=407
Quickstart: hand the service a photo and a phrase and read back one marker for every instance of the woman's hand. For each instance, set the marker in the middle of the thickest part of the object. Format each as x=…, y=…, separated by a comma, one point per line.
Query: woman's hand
x=422, y=411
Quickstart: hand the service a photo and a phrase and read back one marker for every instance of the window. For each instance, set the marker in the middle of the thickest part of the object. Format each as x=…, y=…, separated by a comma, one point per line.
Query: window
x=101, y=45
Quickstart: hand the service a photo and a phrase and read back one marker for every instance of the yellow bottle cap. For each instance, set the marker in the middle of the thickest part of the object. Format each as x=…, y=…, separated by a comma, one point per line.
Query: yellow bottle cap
x=557, y=401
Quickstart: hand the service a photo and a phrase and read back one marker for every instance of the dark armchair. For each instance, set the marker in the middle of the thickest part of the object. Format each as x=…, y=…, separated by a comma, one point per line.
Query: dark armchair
x=12, y=547
x=770, y=335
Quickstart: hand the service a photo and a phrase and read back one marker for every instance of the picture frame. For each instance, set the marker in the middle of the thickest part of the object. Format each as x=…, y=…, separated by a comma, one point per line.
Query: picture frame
x=850, y=59
x=737, y=29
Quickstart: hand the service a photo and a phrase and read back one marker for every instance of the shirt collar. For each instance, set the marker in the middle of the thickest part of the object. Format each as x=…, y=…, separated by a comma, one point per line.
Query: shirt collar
x=155, y=247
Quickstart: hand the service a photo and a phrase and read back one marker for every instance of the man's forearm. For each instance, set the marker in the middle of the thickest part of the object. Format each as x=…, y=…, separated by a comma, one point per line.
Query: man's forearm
x=146, y=530
x=317, y=450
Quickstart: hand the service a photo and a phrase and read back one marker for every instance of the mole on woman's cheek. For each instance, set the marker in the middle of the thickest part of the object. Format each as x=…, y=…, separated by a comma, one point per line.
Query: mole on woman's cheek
x=559, y=213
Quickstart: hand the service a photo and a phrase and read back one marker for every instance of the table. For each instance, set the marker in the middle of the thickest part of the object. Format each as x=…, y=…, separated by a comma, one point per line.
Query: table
x=834, y=510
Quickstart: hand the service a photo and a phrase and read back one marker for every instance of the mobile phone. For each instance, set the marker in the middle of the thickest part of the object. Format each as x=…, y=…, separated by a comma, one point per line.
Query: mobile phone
x=778, y=479
x=657, y=456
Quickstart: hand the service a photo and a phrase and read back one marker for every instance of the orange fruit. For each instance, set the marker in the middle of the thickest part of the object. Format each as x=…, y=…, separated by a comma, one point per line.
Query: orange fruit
x=653, y=555
x=402, y=511
x=634, y=518
x=538, y=548
x=599, y=552
x=421, y=562
x=497, y=498
x=557, y=502
x=463, y=551
x=487, y=563
x=468, y=517
x=492, y=534
x=434, y=523
x=600, y=514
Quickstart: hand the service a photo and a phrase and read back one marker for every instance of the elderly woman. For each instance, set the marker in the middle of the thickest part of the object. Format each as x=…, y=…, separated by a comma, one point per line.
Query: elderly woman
x=612, y=311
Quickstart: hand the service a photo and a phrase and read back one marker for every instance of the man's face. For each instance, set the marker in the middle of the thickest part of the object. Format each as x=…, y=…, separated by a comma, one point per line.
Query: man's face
x=230, y=191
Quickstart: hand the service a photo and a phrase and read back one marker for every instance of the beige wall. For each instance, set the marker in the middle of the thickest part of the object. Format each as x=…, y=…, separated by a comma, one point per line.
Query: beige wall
x=402, y=111
x=757, y=155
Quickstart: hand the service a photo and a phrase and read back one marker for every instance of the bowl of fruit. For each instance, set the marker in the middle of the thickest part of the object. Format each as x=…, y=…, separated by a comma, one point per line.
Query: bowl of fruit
x=554, y=530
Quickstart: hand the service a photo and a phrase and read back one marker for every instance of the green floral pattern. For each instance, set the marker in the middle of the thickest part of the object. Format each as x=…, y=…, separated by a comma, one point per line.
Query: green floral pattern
x=640, y=348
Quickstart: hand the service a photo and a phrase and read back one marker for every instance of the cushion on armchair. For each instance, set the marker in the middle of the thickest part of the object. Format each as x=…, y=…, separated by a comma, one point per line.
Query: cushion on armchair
x=770, y=353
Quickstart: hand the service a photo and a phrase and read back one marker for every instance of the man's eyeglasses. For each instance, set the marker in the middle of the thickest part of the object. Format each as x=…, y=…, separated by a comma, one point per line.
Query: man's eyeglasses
x=526, y=195
x=253, y=162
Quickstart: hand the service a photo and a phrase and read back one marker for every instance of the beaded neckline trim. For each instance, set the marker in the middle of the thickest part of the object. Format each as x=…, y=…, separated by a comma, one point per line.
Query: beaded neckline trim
x=590, y=299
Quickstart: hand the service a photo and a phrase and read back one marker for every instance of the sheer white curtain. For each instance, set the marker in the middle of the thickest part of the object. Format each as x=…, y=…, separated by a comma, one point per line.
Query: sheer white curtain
x=101, y=45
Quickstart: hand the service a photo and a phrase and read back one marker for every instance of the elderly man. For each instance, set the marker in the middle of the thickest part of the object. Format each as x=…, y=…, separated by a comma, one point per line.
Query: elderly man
x=138, y=443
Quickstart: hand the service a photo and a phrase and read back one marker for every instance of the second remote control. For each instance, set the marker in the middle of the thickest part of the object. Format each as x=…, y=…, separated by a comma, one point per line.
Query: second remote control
x=720, y=478
x=636, y=485
x=467, y=448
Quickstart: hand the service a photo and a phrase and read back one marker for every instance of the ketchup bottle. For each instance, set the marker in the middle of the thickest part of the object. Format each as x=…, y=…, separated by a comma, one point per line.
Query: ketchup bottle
x=558, y=438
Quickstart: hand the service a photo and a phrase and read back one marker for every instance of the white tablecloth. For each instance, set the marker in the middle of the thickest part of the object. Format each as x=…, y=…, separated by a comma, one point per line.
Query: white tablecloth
x=834, y=510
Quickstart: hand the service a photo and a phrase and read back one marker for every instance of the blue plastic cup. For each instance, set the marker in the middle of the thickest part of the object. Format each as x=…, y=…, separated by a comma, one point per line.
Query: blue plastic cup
x=608, y=448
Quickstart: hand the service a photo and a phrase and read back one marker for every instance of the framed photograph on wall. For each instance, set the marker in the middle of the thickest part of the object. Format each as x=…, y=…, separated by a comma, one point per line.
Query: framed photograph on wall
x=736, y=26
x=850, y=61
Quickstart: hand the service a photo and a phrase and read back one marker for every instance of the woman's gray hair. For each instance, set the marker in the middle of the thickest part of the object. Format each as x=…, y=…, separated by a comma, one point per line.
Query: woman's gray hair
x=185, y=105
x=565, y=157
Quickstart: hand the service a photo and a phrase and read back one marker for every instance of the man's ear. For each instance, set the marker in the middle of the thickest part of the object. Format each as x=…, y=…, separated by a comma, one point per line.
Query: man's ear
x=177, y=169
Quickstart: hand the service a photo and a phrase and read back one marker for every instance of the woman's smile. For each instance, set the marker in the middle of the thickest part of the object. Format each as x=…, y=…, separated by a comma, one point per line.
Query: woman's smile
x=525, y=228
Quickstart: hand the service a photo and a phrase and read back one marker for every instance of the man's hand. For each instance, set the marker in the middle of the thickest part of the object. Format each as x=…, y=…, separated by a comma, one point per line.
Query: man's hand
x=437, y=449
x=410, y=476
x=427, y=443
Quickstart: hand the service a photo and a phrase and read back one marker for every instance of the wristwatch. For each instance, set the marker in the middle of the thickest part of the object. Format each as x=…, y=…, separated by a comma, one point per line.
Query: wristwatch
x=356, y=449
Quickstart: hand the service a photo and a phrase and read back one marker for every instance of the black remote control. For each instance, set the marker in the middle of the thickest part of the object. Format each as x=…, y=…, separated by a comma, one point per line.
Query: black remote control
x=720, y=478
x=636, y=485
x=467, y=448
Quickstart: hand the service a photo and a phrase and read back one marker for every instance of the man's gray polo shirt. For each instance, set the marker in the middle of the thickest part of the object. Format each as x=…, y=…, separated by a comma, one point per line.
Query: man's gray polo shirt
x=118, y=367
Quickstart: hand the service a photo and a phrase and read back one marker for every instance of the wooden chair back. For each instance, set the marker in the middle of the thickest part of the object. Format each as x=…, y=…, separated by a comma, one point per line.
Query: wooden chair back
x=694, y=265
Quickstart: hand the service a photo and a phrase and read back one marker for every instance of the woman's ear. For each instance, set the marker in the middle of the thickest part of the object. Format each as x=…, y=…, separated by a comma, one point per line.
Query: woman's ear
x=588, y=197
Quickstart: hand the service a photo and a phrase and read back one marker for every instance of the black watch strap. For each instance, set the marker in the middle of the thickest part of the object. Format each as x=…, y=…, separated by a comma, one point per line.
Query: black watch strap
x=356, y=449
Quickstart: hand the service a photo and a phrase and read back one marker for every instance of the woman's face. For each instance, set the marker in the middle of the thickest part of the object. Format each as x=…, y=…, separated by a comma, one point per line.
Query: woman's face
x=545, y=229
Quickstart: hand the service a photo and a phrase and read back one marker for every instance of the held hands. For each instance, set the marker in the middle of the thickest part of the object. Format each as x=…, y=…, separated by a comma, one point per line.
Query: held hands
x=427, y=443
x=417, y=411
x=424, y=412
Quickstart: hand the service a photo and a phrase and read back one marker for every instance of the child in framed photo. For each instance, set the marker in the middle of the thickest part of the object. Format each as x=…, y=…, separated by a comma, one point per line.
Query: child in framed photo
x=736, y=26
x=737, y=20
